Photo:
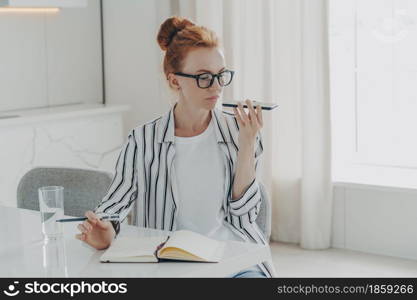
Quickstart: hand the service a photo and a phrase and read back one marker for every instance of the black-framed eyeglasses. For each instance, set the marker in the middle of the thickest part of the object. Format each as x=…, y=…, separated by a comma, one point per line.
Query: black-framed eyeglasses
x=206, y=80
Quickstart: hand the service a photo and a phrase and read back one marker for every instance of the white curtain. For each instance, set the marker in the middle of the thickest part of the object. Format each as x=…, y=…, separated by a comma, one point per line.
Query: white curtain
x=278, y=49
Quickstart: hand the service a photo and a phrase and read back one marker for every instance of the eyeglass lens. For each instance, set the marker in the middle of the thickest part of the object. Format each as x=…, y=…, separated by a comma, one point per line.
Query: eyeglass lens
x=224, y=78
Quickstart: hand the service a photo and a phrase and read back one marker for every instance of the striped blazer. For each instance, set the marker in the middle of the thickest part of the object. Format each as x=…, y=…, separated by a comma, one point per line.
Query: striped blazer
x=144, y=181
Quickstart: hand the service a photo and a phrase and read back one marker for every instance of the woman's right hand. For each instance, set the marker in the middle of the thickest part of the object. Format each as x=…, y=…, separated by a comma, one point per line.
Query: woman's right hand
x=95, y=232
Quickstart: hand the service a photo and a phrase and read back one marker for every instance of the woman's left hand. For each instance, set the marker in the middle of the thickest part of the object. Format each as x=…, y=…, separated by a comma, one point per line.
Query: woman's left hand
x=249, y=123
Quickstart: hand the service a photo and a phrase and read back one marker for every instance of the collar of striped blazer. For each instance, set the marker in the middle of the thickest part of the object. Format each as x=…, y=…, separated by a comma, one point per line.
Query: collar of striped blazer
x=166, y=130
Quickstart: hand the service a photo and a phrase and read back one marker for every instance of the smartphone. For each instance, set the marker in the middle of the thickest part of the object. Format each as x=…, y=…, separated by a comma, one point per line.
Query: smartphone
x=264, y=105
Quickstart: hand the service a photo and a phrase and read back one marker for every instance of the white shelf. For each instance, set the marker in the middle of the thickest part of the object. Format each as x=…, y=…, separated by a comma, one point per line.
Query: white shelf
x=43, y=3
x=58, y=113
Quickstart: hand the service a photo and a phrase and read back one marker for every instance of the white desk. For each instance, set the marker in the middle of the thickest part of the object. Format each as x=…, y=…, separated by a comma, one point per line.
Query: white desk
x=24, y=254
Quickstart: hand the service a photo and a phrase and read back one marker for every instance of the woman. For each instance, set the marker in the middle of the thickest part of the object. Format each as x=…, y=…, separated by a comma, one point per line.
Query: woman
x=210, y=187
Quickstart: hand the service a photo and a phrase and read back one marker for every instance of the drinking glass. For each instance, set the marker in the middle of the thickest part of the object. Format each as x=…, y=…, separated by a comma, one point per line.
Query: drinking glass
x=51, y=206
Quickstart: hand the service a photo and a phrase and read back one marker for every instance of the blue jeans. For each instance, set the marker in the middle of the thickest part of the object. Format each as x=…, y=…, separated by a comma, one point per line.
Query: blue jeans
x=252, y=272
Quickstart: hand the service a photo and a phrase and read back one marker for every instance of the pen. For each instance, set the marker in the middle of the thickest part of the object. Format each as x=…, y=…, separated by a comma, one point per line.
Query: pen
x=110, y=217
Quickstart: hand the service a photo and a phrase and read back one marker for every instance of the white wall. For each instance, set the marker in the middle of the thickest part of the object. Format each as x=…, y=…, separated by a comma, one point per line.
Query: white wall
x=133, y=58
x=48, y=59
x=380, y=220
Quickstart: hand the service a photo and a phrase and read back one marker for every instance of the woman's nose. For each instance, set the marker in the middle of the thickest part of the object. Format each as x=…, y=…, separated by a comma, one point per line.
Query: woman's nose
x=216, y=85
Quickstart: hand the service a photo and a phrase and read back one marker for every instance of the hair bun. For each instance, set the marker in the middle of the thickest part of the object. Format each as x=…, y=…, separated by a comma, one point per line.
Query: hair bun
x=169, y=29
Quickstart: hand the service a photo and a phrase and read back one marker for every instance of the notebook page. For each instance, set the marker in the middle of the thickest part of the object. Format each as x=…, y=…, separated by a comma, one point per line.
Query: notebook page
x=196, y=244
x=126, y=246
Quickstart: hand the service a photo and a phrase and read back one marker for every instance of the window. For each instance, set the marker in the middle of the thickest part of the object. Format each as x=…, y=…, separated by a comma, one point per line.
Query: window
x=373, y=73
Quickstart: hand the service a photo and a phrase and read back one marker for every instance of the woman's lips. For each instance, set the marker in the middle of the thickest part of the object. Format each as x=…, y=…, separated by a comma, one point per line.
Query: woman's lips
x=214, y=98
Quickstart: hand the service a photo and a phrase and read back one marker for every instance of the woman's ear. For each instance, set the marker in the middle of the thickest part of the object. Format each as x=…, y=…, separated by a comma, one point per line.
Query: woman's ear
x=173, y=82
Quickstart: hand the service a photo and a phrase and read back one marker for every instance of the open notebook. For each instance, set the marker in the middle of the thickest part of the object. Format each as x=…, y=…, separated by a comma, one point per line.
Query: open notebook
x=181, y=245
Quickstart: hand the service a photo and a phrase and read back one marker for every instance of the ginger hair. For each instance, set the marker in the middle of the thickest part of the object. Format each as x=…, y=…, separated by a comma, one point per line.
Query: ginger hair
x=177, y=36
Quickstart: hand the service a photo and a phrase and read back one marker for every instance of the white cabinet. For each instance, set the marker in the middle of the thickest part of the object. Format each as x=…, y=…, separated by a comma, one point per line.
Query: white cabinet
x=81, y=136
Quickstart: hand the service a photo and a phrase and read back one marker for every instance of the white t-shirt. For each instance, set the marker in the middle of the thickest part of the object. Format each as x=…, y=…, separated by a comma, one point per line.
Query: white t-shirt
x=200, y=173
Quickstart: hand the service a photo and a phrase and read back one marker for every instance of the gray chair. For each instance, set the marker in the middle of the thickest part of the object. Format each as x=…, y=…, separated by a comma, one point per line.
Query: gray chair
x=264, y=215
x=83, y=189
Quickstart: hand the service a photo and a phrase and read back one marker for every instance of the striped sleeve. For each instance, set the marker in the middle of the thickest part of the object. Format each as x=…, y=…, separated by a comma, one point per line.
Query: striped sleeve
x=250, y=201
x=123, y=190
